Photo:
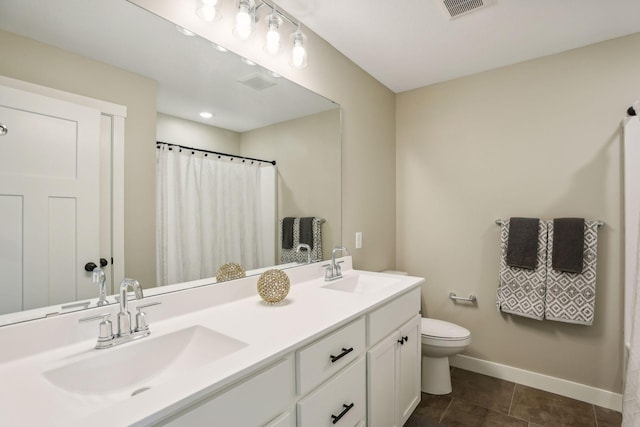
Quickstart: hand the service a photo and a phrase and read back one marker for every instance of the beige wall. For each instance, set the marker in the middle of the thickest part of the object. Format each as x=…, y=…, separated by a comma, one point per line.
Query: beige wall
x=38, y=63
x=307, y=151
x=368, y=126
x=536, y=139
x=198, y=135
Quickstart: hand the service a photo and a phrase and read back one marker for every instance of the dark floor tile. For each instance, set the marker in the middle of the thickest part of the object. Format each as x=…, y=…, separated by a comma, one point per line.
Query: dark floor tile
x=608, y=417
x=432, y=406
x=464, y=414
x=482, y=390
x=551, y=410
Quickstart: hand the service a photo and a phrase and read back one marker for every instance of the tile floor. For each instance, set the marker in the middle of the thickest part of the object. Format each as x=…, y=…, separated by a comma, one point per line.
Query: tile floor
x=482, y=401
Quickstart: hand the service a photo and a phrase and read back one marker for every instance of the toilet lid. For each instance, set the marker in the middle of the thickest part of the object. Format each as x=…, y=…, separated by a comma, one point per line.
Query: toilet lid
x=443, y=330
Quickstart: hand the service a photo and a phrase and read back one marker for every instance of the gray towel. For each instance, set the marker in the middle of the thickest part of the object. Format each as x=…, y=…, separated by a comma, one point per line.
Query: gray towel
x=568, y=244
x=287, y=232
x=571, y=296
x=522, y=247
x=306, y=231
x=521, y=291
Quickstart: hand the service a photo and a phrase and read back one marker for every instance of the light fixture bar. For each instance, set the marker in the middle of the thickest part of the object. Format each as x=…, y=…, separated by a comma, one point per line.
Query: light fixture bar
x=282, y=14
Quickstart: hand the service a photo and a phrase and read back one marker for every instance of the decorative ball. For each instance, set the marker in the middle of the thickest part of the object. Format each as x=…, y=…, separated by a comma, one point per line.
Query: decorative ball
x=273, y=286
x=230, y=271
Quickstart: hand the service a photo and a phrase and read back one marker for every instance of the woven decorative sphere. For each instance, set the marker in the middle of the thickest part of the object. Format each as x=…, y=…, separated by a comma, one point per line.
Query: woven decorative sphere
x=230, y=271
x=273, y=286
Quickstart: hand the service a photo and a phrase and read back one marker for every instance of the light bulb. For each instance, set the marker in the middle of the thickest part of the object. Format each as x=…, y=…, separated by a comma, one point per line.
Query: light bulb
x=273, y=40
x=298, y=55
x=206, y=10
x=243, y=22
x=299, y=52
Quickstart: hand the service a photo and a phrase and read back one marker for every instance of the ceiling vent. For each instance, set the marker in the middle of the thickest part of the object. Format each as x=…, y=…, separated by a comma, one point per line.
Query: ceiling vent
x=455, y=8
x=257, y=81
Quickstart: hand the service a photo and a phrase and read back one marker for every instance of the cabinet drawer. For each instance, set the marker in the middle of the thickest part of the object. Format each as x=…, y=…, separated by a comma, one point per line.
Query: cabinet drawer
x=328, y=355
x=344, y=394
x=391, y=315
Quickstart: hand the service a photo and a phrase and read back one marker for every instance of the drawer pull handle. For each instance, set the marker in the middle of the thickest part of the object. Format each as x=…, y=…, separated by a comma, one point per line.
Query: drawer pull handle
x=345, y=351
x=336, y=418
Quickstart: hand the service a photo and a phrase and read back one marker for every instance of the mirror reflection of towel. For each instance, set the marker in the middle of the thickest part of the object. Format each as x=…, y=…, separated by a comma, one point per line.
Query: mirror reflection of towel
x=287, y=233
x=306, y=231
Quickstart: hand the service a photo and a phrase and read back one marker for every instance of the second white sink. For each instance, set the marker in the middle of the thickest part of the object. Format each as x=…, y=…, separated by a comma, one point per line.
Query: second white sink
x=135, y=367
x=362, y=283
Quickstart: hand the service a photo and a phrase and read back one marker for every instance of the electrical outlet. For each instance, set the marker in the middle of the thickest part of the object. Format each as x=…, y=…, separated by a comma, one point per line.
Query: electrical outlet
x=358, y=239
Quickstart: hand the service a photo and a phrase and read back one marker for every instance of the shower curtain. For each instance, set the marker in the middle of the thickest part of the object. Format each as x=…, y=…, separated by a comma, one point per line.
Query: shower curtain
x=208, y=214
x=631, y=397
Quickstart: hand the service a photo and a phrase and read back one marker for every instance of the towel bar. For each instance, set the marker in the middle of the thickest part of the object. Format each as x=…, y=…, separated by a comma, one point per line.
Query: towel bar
x=600, y=223
x=454, y=297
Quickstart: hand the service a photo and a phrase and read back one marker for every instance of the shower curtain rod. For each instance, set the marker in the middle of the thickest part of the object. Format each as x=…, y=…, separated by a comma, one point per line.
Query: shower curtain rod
x=233, y=156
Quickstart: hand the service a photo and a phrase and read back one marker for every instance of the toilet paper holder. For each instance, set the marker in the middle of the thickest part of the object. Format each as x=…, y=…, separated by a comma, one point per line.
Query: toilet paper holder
x=454, y=297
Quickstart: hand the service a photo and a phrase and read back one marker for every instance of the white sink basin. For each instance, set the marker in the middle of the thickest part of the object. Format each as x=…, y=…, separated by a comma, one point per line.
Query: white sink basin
x=362, y=283
x=134, y=367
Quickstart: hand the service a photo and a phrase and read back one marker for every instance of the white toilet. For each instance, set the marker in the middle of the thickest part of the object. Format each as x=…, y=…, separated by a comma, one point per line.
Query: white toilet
x=440, y=340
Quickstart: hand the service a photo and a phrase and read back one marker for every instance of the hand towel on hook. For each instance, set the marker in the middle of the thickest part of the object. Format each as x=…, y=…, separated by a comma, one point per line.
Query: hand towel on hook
x=571, y=296
x=521, y=291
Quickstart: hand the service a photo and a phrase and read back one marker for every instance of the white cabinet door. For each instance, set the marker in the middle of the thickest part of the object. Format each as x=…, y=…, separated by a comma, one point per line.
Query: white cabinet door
x=409, y=369
x=381, y=383
x=49, y=170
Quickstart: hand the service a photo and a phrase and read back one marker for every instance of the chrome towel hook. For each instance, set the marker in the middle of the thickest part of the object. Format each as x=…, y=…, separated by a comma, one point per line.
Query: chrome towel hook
x=3, y=130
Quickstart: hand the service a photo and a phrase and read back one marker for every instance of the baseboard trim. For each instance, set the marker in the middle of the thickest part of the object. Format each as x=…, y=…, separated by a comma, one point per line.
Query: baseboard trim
x=585, y=393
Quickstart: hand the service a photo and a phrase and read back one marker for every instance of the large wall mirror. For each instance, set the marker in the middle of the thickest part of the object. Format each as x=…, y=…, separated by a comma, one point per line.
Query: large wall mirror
x=117, y=52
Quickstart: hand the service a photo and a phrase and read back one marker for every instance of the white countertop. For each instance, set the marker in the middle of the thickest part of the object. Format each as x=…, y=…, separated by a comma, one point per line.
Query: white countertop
x=235, y=309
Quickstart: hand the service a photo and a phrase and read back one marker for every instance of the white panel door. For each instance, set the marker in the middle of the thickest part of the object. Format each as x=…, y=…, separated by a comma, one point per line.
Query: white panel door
x=49, y=193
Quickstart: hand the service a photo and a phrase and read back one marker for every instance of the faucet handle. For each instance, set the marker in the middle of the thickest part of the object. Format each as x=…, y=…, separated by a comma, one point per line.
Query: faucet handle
x=106, y=328
x=141, y=317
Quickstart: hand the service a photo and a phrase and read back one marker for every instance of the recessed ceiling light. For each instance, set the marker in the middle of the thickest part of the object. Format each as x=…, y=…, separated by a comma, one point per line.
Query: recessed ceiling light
x=248, y=61
x=206, y=115
x=274, y=74
x=220, y=48
x=184, y=31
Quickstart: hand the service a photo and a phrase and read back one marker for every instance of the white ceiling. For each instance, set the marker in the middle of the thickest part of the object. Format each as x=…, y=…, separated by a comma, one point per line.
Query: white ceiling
x=406, y=44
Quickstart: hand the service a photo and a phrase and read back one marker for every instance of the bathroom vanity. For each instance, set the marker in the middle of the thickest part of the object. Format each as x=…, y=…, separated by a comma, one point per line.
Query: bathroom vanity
x=345, y=352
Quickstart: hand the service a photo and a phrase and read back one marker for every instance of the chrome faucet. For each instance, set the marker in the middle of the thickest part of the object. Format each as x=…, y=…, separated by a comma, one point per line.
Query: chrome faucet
x=334, y=271
x=124, y=333
x=100, y=280
x=124, y=317
x=308, y=248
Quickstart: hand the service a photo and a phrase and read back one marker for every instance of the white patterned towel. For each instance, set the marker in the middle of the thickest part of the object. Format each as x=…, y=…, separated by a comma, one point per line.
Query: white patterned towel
x=571, y=296
x=521, y=291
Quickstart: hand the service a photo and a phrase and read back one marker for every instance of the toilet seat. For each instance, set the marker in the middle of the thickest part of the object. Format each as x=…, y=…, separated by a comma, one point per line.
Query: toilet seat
x=444, y=331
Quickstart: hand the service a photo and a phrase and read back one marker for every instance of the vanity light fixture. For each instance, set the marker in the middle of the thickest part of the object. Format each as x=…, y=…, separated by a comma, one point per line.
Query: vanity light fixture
x=207, y=10
x=272, y=44
x=299, y=51
x=244, y=19
x=248, y=14
x=206, y=115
